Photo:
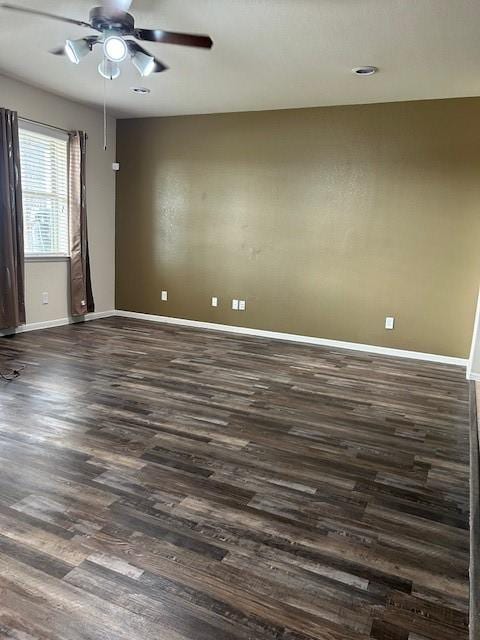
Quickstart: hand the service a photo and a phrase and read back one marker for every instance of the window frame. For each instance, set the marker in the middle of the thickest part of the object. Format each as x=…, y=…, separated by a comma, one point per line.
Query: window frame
x=59, y=134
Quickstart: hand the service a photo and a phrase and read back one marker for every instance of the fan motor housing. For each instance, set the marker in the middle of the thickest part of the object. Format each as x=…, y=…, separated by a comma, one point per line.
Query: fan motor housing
x=122, y=22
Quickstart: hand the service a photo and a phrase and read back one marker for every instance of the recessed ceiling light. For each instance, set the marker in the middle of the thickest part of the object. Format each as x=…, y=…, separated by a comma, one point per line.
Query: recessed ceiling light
x=143, y=91
x=365, y=71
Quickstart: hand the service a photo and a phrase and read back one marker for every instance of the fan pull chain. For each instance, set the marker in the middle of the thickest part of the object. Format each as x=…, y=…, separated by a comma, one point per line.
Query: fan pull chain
x=104, y=114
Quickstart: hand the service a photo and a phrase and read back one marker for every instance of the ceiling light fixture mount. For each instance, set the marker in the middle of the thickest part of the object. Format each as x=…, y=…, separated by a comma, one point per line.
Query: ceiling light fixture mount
x=367, y=70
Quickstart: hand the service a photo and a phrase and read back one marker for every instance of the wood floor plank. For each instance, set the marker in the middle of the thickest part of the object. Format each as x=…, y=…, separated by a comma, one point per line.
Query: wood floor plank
x=165, y=482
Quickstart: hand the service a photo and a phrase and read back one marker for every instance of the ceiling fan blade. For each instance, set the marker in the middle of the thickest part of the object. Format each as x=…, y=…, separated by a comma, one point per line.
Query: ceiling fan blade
x=134, y=47
x=170, y=37
x=44, y=14
x=159, y=67
x=58, y=51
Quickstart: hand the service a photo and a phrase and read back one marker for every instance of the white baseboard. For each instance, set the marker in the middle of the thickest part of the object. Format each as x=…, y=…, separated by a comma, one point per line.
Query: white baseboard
x=35, y=326
x=291, y=337
x=261, y=333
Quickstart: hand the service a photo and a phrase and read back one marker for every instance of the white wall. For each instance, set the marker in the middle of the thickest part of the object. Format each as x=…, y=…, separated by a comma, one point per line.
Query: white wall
x=47, y=108
x=473, y=368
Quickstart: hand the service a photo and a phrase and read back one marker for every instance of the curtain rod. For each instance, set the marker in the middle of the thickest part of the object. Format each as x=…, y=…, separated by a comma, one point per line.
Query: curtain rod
x=42, y=124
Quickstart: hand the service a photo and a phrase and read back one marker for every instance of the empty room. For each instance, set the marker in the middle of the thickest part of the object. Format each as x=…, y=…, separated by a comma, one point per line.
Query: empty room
x=239, y=320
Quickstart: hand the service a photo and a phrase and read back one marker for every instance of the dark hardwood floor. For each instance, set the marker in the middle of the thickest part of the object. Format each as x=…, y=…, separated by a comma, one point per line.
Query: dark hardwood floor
x=164, y=483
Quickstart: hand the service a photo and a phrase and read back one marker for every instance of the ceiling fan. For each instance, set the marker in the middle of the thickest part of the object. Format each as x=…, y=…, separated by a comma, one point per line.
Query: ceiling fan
x=117, y=36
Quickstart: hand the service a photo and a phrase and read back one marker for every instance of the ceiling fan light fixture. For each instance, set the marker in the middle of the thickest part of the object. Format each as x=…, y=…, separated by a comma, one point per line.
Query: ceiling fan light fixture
x=109, y=70
x=144, y=63
x=118, y=36
x=76, y=50
x=115, y=48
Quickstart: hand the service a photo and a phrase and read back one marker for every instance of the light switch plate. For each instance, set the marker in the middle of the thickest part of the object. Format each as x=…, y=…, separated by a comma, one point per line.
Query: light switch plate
x=45, y=297
x=116, y=166
x=242, y=305
x=389, y=323
x=164, y=296
x=235, y=305
x=214, y=301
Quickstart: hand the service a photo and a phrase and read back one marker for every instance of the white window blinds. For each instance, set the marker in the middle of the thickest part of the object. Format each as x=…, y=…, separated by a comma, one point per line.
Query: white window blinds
x=43, y=159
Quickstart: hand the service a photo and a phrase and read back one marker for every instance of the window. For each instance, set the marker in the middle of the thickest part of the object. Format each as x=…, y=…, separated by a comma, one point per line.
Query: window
x=43, y=159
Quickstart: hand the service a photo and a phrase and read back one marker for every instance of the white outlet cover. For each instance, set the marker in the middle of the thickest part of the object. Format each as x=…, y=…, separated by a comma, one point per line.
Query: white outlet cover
x=164, y=296
x=235, y=305
x=45, y=297
x=242, y=305
x=214, y=301
x=389, y=323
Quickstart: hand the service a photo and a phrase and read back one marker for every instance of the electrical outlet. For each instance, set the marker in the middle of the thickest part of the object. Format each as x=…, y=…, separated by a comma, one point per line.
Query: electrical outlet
x=45, y=297
x=235, y=305
x=164, y=296
x=242, y=305
x=389, y=323
x=214, y=301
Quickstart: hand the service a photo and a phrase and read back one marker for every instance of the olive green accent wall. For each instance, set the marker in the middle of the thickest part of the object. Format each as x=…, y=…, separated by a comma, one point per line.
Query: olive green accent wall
x=325, y=220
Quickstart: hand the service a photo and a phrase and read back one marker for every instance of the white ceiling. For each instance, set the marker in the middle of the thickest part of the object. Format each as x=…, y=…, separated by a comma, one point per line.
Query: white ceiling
x=268, y=54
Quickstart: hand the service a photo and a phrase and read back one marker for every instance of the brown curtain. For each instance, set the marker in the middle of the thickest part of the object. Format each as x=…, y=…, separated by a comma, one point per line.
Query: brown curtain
x=12, y=294
x=81, y=295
